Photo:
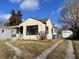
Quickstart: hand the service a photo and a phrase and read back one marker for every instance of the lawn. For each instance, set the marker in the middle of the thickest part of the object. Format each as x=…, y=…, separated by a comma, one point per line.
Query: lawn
x=5, y=51
x=32, y=49
x=59, y=52
x=76, y=48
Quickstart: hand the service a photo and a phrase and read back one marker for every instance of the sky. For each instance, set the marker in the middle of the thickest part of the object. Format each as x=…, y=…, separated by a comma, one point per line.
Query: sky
x=32, y=8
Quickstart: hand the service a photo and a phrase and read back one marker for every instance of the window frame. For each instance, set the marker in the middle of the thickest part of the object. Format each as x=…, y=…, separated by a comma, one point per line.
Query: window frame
x=32, y=27
x=2, y=31
x=47, y=29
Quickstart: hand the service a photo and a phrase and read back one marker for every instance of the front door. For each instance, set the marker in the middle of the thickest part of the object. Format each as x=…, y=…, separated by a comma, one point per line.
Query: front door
x=21, y=31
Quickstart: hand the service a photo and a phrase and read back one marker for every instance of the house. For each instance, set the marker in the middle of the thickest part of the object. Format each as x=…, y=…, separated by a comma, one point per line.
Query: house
x=7, y=32
x=29, y=29
x=54, y=32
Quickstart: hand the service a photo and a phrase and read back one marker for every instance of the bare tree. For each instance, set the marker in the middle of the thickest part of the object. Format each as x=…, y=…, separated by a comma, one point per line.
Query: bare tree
x=70, y=16
x=42, y=35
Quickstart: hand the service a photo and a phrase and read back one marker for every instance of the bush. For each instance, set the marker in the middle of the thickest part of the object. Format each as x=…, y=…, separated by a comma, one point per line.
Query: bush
x=42, y=35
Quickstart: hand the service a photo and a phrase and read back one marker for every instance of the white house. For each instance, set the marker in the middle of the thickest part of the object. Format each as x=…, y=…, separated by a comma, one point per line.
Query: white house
x=28, y=29
x=7, y=32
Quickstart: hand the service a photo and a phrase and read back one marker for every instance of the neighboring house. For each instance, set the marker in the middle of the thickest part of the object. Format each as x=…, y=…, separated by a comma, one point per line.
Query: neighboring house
x=7, y=32
x=54, y=32
x=29, y=29
x=67, y=33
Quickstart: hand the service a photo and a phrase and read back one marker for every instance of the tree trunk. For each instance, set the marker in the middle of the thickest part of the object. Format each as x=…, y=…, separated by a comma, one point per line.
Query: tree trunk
x=76, y=35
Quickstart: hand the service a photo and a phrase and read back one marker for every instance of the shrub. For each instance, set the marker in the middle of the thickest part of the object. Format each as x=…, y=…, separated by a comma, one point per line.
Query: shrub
x=42, y=35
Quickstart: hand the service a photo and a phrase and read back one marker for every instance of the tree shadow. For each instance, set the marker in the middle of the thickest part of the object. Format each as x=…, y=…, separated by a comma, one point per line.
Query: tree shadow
x=73, y=39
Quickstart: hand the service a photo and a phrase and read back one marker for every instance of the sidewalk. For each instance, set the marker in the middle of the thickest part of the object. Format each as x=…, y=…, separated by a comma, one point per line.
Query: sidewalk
x=44, y=54
x=70, y=51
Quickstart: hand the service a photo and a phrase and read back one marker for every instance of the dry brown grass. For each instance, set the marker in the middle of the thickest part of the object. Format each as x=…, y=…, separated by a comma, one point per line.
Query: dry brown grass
x=76, y=48
x=59, y=52
x=5, y=51
x=31, y=49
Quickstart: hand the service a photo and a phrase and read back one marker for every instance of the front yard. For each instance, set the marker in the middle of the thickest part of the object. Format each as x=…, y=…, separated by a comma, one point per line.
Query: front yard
x=30, y=49
x=5, y=51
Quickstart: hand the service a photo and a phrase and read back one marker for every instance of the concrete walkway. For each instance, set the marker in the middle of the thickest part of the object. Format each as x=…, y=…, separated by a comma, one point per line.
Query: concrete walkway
x=44, y=54
x=70, y=51
x=17, y=51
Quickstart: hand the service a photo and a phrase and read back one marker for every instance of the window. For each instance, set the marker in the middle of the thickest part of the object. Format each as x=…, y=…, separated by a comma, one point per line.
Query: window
x=2, y=31
x=12, y=31
x=13, y=35
x=46, y=29
x=32, y=30
x=52, y=30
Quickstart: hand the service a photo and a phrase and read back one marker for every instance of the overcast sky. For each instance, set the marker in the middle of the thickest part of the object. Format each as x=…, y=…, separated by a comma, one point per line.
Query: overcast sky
x=32, y=8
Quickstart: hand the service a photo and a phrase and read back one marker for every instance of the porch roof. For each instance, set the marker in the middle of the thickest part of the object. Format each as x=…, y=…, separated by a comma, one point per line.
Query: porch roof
x=15, y=26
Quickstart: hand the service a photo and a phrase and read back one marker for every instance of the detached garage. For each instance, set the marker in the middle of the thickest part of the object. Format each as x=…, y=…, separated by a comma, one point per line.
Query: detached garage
x=67, y=33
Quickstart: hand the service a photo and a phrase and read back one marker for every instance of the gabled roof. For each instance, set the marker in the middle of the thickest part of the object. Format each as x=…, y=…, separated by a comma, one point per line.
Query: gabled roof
x=41, y=20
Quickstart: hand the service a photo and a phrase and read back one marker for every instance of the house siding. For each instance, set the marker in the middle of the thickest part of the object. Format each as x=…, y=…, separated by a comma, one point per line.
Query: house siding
x=29, y=22
x=7, y=34
x=49, y=24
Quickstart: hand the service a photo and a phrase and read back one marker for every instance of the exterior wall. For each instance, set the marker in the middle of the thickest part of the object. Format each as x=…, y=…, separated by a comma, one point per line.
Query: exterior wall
x=13, y=34
x=49, y=24
x=54, y=31
x=29, y=22
x=7, y=34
